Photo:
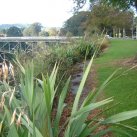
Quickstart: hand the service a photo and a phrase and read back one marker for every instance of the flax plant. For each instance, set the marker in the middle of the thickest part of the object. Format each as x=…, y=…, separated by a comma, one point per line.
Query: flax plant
x=31, y=114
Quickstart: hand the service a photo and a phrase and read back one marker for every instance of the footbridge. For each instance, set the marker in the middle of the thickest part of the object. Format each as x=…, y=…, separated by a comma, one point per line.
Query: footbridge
x=12, y=44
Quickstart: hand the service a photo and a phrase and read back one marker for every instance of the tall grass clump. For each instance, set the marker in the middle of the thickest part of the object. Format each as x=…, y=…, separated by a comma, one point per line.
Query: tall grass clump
x=31, y=114
x=48, y=55
x=66, y=55
x=100, y=41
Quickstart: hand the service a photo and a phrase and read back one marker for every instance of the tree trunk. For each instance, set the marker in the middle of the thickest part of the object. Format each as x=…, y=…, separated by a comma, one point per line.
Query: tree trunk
x=132, y=32
x=136, y=31
x=114, y=33
x=124, y=33
x=119, y=33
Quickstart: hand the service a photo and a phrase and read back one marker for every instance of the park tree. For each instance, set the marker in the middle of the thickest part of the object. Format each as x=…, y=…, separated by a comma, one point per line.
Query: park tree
x=26, y=32
x=124, y=22
x=53, y=31
x=14, y=32
x=135, y=26
x=99, y=19
x=44, y=33
x=75, y=24
x=33, y=30
x=108, y=19
x=62, y=32
x=3, y=31
x=69, y=34
x=122, y=4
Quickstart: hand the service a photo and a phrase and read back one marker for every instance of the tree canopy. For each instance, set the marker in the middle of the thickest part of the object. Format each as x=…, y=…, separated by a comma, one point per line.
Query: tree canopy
x=53, y=31
x=44, y=33
x=14, y=32
x=122, y=4
x=107, y=18
x=113, y=16
x=75, y=24
x=33, y=30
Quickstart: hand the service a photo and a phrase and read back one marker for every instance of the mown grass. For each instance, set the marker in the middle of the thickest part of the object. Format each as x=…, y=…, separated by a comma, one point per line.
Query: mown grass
x=124, y=89
x=119, y=49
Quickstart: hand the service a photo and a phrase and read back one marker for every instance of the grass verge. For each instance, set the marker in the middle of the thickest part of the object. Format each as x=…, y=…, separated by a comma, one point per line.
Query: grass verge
x=124, y=89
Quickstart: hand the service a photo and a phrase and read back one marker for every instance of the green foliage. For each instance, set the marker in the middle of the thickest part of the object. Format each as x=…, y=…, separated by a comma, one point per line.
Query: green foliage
x=43, y=33
x=2, y=31
x=14, y=32
x=69, y=34
x=31, y=115
x=75, y=24
x=116, y=3
x=101, y=18
x=67, y=55
x=71, y=54
x=108, y=19
x=7, y=55
x=62, y=32
x=53, y=31
x=33, y=30
x=121, y=4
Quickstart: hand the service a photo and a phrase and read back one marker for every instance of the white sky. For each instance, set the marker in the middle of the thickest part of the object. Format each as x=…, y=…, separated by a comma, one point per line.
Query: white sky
x=51, y=13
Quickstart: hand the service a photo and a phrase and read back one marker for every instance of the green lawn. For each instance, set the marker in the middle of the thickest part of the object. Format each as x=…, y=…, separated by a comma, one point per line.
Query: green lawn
x=124, y=89
x=119, y=49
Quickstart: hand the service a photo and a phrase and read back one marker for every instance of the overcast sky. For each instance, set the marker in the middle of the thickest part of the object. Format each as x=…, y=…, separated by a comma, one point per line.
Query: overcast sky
x=51, y=13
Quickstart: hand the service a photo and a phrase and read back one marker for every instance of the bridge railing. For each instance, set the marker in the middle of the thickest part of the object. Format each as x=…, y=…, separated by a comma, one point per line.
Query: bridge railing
x=15, y=43
x=35, y=39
